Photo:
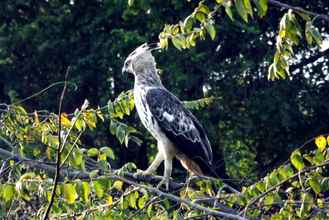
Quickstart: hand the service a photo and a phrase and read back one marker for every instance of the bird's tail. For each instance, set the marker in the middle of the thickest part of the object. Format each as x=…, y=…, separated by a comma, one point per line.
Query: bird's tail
x=198, y=166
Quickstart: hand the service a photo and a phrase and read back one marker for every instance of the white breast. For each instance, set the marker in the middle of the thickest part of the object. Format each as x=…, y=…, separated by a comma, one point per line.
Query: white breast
x=145, y=114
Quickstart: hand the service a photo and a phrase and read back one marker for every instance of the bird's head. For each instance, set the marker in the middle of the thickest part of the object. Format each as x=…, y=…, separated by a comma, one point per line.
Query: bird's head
x=140, y=59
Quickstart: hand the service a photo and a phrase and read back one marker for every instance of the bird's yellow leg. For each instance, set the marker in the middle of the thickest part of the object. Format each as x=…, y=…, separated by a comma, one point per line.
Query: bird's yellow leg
x=167, y=174
x=153, y=167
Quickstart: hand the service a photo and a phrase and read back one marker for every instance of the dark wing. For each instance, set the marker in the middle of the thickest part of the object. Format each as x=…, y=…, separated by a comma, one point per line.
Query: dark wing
x=180, y=125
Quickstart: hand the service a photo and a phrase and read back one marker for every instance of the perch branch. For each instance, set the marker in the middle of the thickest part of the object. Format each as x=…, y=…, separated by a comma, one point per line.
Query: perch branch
x=183, y=201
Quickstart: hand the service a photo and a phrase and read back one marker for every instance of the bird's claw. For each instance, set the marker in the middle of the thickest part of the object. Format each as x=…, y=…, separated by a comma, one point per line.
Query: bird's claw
x=165, y=181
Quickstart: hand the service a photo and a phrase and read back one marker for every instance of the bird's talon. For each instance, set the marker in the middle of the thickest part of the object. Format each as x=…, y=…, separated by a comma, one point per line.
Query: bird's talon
x=165, y=182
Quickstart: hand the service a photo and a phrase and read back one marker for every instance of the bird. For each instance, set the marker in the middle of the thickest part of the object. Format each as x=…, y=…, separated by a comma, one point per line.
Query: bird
x=177, y=131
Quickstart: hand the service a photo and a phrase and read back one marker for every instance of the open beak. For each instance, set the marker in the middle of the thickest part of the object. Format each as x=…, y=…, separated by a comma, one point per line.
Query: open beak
x=153, y=46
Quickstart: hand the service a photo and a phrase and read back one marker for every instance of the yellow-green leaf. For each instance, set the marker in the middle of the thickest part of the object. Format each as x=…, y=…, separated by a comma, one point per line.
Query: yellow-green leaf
x=8, y=192
x=262, y=6
x=118, y=185
x=297, y=160
x=70, y=193
x=92, y=152
x=99, y=188
x=248, y=7
x=315, y=185
x=86, y=191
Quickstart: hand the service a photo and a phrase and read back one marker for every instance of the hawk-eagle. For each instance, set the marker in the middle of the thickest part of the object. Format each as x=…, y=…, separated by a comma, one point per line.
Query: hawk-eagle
x=177, y=131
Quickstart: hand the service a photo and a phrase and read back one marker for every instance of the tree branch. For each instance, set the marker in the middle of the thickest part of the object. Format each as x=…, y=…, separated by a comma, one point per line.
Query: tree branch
x=254, y=200
x=298, y=9
x=58, y=155
x=312, y=59
x=183, y=201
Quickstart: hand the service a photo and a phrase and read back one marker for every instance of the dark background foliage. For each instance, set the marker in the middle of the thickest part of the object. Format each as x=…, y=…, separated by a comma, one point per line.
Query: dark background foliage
x=253, y=125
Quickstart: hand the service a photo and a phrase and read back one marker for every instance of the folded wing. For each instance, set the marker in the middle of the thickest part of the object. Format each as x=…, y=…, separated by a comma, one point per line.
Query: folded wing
x=179, y=125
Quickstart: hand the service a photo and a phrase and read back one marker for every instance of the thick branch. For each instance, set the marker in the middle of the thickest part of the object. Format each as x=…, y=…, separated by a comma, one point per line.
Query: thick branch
x=298, y=9
x=183, y=201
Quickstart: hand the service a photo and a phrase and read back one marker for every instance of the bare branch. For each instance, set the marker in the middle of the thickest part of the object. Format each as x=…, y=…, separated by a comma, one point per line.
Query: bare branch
x=298, y=9
x=58, y=155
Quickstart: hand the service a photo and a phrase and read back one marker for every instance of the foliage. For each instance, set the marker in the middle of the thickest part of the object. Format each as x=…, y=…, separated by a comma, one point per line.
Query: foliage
x=201, y=22
x=254, y=125
x=90, y=188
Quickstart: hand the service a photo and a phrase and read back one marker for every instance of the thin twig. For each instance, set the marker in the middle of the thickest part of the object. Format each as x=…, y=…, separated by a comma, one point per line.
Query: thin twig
x=43, y=90
x=58, y=155
x=71, y=150
x=298, y=9
x=307, y=169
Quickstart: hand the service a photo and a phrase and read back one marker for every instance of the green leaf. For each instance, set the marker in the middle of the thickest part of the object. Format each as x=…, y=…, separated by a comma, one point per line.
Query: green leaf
x=8, y=192
x=315, y=185
x=133, y=199
x=92, y=152
x=262, y=7
x=306, y=206
x=80, y=124
x=201, y=17
x=77, y=157
x=70, y=193
x=228, y=11
x=239, y=4
x=210, y=27
x=130, y=3
x=179, y=42
x=297, y=160
x=188, y=23
x=100, y=187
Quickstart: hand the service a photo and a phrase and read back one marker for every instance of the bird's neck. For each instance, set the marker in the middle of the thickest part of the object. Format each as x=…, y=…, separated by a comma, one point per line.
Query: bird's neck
x=147, y=78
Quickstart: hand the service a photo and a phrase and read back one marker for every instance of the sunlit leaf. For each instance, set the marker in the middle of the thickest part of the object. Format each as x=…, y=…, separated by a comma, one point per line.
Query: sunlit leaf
x=92, y=152
x=110, y=200
x=70, y=193
x=65, y=121
x=118, y=185
x=8, y=192
x=86, y=191
x=321, y=143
